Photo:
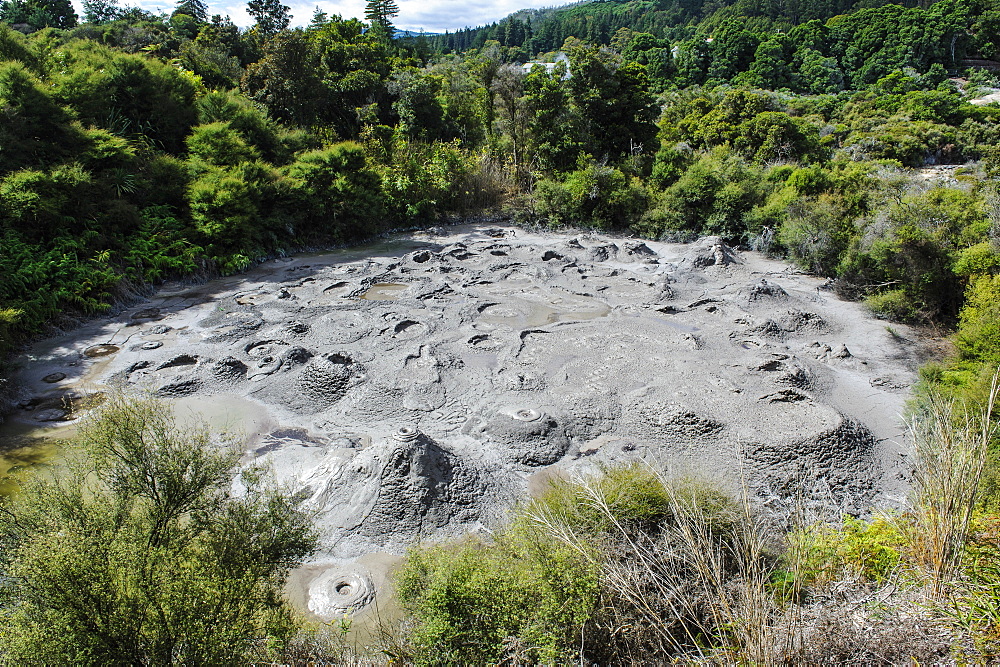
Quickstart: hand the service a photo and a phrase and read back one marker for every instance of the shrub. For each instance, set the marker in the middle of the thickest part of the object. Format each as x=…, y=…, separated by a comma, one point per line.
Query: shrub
x=816, y=233
x=477, y=601
x=867, y=549
x=219, y=144
x=715, y=195
x=595, y=195
x=893, y=305
x=421, y=180
x=981, y=259
x=141, y=554
x=978, y=337
x=336, y=194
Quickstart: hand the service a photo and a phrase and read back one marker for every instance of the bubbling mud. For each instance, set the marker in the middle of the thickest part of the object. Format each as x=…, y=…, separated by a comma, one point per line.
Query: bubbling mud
x=413, y=389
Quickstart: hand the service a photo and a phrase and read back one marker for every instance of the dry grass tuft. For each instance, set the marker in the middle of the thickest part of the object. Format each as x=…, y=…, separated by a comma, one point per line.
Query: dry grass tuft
x=697, y=587
x=951, y=447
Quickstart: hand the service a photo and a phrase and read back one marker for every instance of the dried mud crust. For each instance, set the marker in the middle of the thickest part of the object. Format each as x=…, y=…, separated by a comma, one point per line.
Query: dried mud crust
x=430, y=376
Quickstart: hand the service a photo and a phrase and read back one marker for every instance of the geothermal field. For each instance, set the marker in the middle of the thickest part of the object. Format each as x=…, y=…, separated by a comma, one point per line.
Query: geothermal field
x=416, y=388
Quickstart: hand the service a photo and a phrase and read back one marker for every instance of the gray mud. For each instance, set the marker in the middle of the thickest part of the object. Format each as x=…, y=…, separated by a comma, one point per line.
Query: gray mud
x=416, y=388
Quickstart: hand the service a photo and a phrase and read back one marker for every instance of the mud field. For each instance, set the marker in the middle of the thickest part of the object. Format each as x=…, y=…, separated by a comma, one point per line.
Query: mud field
x=415, y=388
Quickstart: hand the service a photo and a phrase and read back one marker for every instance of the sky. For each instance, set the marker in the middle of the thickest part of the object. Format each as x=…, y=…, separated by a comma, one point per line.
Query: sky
x=429, y=15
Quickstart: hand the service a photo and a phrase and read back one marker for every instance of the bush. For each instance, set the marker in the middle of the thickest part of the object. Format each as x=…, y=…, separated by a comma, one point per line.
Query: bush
x=867, y=549
x=336, y=194
x=816, y=233
x=978, y=337
x=595, y=195
x=479, y=601
x=240, y=210
x=421, y=180
x=140, y=553
x=981, y=259
x=715, y=195
x=895, y=305
x=220, y=145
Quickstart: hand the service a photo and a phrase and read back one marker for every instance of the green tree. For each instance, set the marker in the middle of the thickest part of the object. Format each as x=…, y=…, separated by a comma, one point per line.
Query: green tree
x=380, y=14
x=39, y=14
x=287, y=81
x=101, y=11
x=196, y=9
x=553, y=126
x=141, y=553
x=271, y=16
x=614, y=102
x=421, y=114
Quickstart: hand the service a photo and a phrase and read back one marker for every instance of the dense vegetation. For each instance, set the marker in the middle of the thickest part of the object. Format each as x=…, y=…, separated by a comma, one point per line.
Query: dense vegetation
x=141, y=552
x=136, y=148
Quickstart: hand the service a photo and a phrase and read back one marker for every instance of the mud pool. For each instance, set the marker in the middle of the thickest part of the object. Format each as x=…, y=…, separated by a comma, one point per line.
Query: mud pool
x=415, y=388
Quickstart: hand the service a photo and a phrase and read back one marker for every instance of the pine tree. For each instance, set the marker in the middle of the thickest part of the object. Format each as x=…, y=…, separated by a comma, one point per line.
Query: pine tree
x=380, y=13
x=319, y=19
x=197, y=9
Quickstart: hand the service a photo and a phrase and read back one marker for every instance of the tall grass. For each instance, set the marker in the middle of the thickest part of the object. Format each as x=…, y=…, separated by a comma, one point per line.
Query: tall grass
x=697, y=585
x=950, y=450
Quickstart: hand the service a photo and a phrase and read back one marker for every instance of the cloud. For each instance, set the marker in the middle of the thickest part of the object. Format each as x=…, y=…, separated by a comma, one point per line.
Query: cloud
x=428, y=15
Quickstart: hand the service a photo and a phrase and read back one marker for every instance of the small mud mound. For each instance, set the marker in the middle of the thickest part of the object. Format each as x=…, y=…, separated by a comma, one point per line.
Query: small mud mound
x=796, y=376
x=408, y=329
x=179, y=361
x=295, y=356
x=484, y=342
x=296, y=328
x=344, y=327
x=768, y=329
x=797, y=321
x=591, y=416
x=57, y=408
x=667, y=424
x=636, y=251
x=325, y=380
x=841, y=459
x=710, y=251
x=525, y=435
x=763, y=291
x=769, y=363
x=416, y=487
x=229, y=369
x=677, y=423
x=601, y=252
x=230, y=327
x=178, y=389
